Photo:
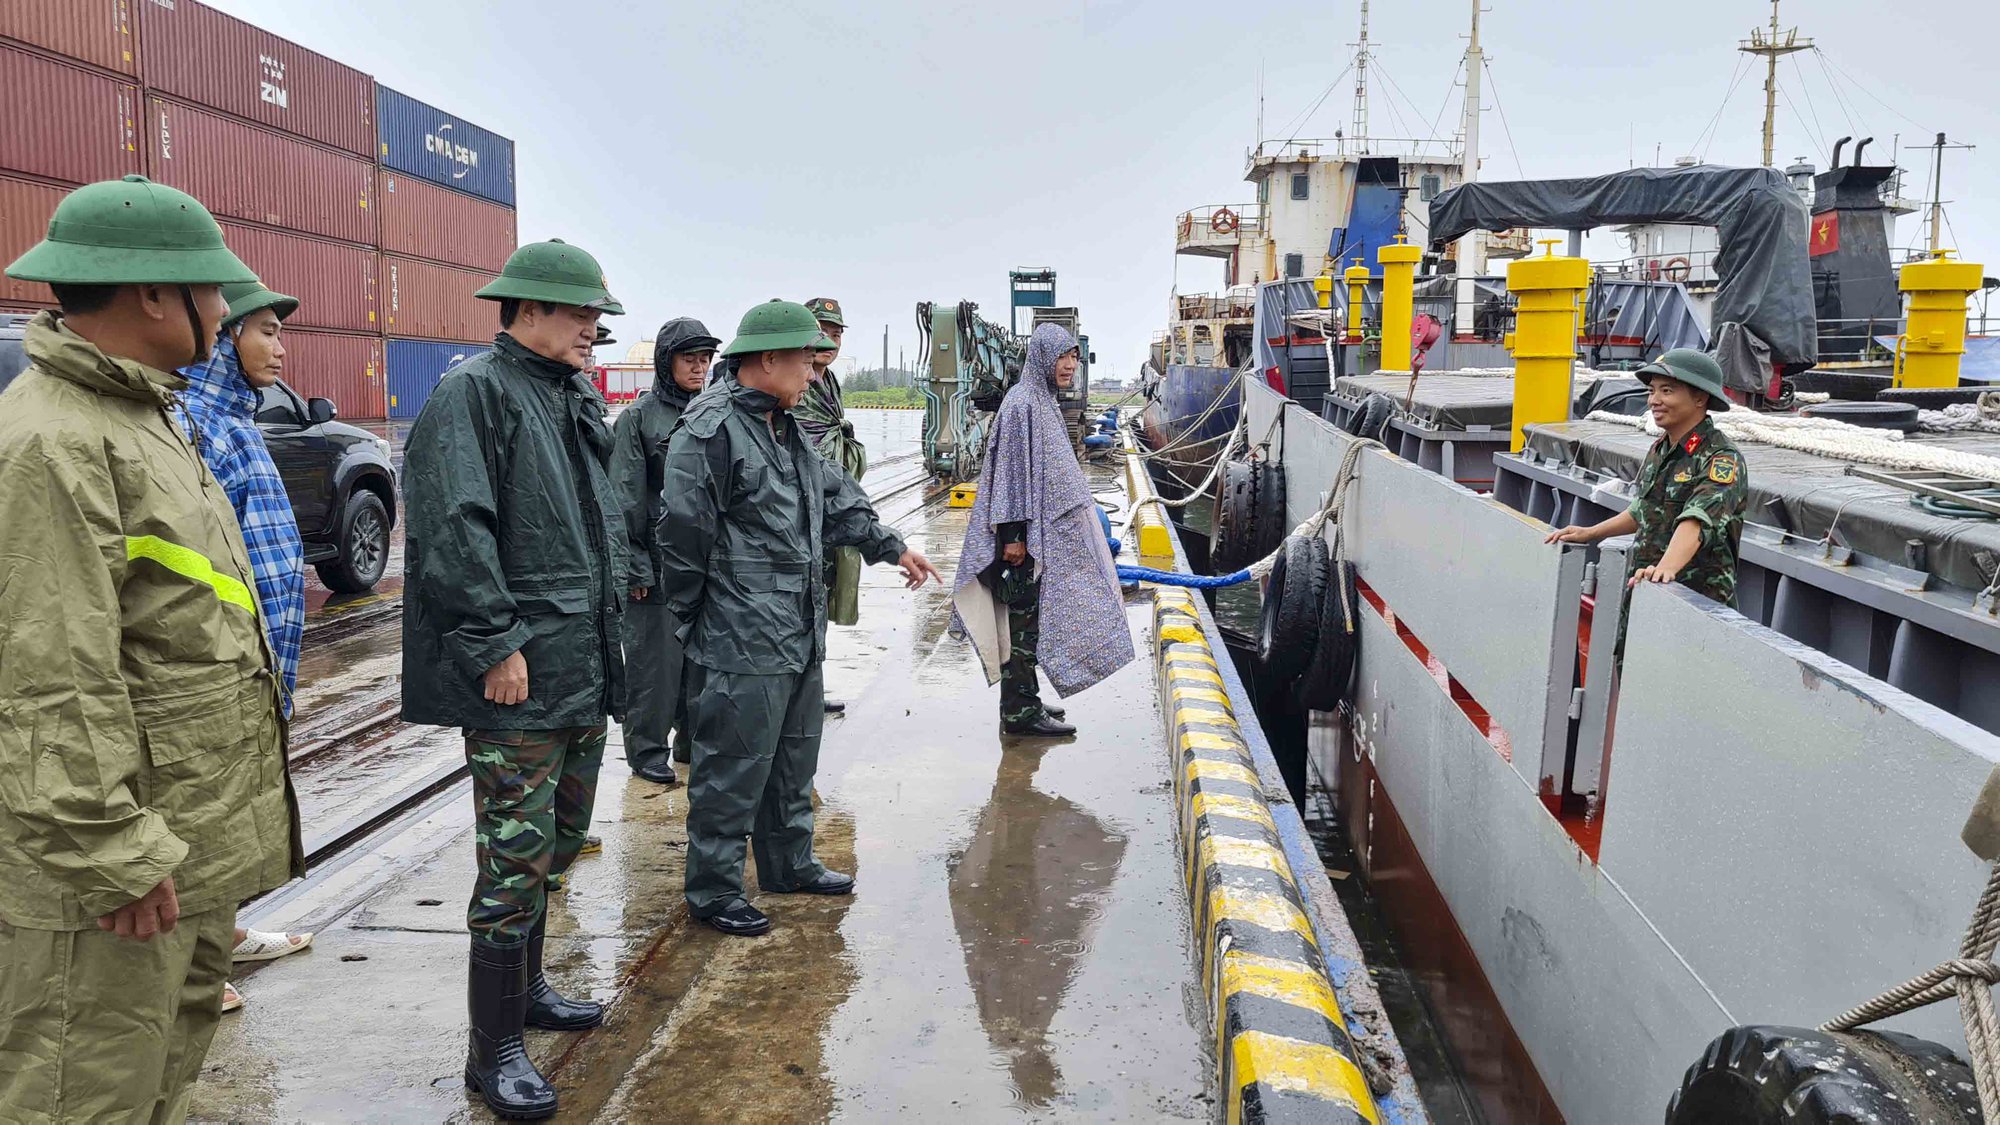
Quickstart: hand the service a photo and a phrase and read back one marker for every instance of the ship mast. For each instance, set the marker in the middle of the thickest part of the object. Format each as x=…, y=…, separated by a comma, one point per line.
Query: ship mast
x=1472, y=248
x=1772, y=47
x=1361, y=84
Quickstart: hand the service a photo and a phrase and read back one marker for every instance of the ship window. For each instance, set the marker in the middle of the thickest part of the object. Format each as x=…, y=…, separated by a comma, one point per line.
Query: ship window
x=1301, y=185
x=1429, y=186
x=1295, y=265
x=1264, y=190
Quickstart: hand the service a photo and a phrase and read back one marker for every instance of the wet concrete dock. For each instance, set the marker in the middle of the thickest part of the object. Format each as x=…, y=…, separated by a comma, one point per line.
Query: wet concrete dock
x=1019, y=946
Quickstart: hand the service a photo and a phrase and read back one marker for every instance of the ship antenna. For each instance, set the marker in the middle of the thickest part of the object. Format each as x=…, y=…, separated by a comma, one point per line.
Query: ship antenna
x=1361, y=83
x=1772, y=47
x=1472, y=248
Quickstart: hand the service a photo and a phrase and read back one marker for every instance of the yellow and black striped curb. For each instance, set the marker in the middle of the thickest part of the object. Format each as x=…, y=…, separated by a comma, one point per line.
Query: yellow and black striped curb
x=1281, y=1045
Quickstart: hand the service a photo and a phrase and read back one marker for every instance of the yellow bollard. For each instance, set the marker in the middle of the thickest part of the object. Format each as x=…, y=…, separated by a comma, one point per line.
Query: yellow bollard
x=1323, y=291
x=1356, y=277
x=1399, y=276
x=1543, y=342
x=1934, y=332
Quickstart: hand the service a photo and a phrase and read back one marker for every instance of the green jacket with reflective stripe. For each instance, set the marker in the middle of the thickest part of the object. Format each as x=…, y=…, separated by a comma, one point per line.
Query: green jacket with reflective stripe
x=140, y=733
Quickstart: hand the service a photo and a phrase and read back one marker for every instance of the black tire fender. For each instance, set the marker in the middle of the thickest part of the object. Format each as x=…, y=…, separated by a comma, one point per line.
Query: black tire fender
x=1372, y=420
x=1234, y=519
x=1762, y=1074
x=1288, y=631
x=1329, y=676
x=1269, y=524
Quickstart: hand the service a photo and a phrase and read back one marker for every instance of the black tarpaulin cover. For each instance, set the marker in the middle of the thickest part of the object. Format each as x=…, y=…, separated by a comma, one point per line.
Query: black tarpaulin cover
x=1765, y=280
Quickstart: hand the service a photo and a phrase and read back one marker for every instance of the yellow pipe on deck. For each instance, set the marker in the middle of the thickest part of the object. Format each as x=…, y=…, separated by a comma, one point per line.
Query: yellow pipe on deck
x=1399, y=275
x=1543, y=342
x=1356, y=277
x=1934, y=332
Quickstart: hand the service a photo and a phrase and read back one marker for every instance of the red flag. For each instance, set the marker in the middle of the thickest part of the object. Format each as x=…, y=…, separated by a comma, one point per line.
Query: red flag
x=1825, y=233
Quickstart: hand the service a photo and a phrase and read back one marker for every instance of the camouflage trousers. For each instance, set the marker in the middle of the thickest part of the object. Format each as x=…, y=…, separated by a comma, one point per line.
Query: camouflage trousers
x=532, y=791
x=1020, y=693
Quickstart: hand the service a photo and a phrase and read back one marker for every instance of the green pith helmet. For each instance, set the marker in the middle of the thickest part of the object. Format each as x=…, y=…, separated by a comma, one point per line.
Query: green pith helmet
x=826, y=310
x=776, y=326
x=553, y=271
x=131, y=232
x=604, y=339
x=249, y=296
x=1696, y=368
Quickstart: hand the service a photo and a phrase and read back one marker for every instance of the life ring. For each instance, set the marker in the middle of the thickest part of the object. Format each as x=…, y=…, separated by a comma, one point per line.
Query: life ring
x=1676, y=269
x=1223, y=221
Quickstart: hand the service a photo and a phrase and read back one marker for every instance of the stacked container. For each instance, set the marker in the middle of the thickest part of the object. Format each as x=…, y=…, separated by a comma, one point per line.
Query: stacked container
x=382, y=214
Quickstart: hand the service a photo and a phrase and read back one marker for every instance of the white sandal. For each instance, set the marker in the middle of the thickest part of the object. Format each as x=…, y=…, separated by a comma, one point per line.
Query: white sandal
x=257, y=945
x=231, y=999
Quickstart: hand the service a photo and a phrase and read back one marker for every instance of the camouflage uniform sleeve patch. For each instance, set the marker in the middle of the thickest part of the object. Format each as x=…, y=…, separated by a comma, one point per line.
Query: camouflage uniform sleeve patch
x=1724, y=468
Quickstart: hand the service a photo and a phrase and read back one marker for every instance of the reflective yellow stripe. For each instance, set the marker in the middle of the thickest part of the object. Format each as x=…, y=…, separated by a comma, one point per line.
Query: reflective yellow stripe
x=191, y=565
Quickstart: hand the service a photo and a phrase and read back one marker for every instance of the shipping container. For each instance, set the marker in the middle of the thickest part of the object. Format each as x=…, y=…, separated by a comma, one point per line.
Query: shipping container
x=25, y=207
x=425, y=141
x=426, y=301
x=422, y=220
x=334, y=282
x=98, y=32
x=343, y=366
x=244, y=171
x=64, y=121
x=218, y=61
x=414, y=368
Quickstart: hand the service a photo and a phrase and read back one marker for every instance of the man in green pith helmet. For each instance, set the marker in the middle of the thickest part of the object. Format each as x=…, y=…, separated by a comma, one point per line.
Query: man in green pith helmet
x=143, y=784
x=515, y=579
x=1692, y=488
x=823, y=418
x=682, y=353
x=747, y=510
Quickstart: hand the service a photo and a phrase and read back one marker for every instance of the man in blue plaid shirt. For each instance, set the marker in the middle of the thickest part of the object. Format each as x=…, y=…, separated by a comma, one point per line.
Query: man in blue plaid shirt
x=221, y=402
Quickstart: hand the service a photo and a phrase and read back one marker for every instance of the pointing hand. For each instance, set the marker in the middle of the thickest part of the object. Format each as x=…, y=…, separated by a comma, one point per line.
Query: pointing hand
x=917, y=568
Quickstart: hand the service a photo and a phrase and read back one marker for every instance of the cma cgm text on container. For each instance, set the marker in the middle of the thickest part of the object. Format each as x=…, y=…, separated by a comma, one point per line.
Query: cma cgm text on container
x=422, y=140
x=98, y=32
x=194, y=52
x=61, y=121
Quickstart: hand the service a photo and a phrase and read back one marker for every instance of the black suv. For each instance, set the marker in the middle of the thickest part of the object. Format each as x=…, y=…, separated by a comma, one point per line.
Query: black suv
x=340, y=479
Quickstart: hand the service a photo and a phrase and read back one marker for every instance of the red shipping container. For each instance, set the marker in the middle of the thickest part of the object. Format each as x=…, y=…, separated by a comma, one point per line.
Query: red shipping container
x=215, y=60
x=422, y=220
x=244, y=171
x=334, y=282
x=64, y=121
x=426, y=301
x=98, y=32
x=341, y=366
x=25, y=207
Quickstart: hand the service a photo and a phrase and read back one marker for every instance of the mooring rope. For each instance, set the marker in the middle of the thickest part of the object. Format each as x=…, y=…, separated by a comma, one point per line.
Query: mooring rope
x=1838, y=440
x=1970, y=976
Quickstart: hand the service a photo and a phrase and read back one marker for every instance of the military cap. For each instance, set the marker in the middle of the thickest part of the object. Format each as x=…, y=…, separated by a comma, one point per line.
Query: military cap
x=556, y=272
x=775, y=326
x=248, y=296
x=131, y=232
x=826, y=310
x=1696, y=368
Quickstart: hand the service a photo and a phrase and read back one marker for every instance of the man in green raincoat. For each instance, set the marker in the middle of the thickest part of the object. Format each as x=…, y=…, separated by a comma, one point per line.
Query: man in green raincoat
x=143, y=784
x=682, y=353
x=748, y=510
x=511, y=608
x=823, y=418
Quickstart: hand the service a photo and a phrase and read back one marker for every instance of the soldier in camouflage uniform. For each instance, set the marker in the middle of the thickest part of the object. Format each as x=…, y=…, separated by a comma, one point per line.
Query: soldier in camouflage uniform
x=822, y=418
x=1688, y=514
x=512, y=605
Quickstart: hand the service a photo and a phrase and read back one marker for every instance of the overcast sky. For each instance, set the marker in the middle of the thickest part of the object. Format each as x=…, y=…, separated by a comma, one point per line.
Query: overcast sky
x=716, y=155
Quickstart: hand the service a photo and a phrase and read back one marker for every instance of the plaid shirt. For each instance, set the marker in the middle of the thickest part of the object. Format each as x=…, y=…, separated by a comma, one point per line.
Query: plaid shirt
x=222, y=409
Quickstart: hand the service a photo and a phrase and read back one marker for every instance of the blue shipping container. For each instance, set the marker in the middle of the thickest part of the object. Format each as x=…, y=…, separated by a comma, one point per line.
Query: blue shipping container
x=425, y=141
x=415, y=366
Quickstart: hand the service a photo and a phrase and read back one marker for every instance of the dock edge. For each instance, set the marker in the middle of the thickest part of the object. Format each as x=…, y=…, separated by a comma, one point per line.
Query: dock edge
x=1263, y=909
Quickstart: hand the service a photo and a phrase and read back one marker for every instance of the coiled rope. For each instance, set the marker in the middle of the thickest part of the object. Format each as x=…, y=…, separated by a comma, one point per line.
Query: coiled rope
x=1838, y=440
x=1970, y=976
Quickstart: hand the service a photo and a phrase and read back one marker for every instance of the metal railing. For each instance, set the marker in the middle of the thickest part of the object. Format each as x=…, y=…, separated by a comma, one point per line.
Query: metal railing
x=1215, y=223
x=1433, y=151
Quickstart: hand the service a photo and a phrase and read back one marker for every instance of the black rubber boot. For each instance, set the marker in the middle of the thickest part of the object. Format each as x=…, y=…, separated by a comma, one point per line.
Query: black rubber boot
x=548, y=1008
x=497, y=1064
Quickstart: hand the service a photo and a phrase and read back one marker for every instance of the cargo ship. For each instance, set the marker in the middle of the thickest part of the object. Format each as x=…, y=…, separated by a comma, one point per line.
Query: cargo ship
x=1609, y=825
x=380, y=212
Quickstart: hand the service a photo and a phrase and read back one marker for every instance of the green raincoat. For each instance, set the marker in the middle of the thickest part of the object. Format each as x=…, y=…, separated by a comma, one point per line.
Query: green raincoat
x=140, y=733
x=823, y=417
x=516, y=543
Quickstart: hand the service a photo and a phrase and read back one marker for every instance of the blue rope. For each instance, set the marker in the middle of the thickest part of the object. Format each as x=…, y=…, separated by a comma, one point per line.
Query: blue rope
x=1170, y=578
